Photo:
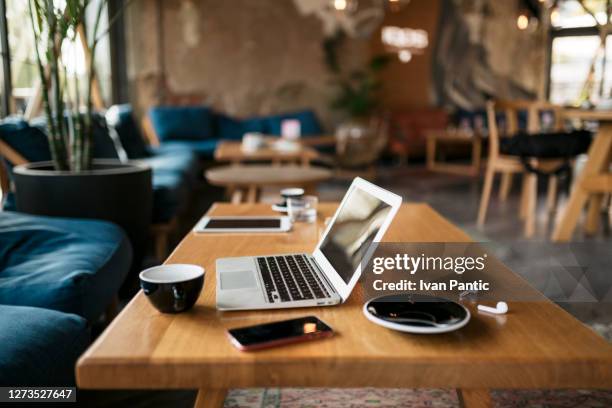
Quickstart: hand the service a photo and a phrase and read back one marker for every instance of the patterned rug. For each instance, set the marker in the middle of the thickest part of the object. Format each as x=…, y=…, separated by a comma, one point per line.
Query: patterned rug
x=339, y=398
x=406, y=398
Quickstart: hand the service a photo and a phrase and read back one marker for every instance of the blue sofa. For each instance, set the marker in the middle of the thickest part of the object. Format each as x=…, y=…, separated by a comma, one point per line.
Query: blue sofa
x=174, y=169
x=30, y=141
x=39, y=346
x=57, y=276
x=69, y=265
x=199, y=128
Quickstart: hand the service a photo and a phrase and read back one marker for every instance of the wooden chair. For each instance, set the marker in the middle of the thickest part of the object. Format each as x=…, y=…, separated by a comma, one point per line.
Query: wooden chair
x=15, y=159
x=148, y=132
x=507, y=166
x=593, y=182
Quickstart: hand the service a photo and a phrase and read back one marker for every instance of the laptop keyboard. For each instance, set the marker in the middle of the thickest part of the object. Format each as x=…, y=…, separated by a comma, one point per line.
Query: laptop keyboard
x=290, y=277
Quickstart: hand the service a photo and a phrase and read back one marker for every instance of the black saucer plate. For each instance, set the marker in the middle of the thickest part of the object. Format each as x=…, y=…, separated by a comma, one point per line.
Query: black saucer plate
x=419, y=314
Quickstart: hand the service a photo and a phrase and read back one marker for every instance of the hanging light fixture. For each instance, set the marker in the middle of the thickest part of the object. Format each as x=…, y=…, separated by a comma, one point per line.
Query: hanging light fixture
x=405, y=42
x=522, y=21
x=340, y=5
x=344, y=6
x=404, y=56
x=531, y=12
x=554, y=16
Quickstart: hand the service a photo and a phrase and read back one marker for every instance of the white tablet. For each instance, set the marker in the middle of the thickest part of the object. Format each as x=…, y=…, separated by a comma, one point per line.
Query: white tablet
x=243, y=224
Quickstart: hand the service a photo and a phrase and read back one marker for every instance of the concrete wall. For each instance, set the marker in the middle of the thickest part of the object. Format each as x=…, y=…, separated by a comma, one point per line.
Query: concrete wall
x=250, y=57
x=244, y=57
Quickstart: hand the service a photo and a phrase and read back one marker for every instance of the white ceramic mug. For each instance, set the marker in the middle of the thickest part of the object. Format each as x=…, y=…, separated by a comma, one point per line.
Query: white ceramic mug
x=252, y=141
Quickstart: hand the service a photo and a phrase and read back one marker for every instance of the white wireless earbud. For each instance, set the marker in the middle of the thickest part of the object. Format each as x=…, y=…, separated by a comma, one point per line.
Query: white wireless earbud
x=501, y=308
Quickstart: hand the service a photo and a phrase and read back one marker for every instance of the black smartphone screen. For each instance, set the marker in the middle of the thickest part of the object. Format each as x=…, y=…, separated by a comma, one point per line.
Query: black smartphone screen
x=242, y=223
x=278, y=331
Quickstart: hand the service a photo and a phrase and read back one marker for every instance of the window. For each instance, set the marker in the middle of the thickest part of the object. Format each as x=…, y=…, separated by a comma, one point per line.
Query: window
x=571, y=62
x=5, y=71
x=570, y=14
x=581, y=67
x=103, y=56
x=24, y=73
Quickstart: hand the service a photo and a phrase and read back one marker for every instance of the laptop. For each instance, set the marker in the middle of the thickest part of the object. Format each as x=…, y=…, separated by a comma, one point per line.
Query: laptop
x=324, y=278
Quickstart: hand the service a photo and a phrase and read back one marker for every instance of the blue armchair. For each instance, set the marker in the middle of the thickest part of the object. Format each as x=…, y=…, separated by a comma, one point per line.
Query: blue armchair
x=57, y=276
x=175, y=170
x=39, y=346
x=69, y=265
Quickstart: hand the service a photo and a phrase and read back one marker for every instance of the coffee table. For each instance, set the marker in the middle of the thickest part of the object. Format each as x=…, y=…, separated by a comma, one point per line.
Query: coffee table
x=537, y=345
x=245, y=182
x=230, y=151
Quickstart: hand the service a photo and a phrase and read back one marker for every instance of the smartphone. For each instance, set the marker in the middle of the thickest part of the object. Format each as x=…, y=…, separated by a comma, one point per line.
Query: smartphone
x=279, y=333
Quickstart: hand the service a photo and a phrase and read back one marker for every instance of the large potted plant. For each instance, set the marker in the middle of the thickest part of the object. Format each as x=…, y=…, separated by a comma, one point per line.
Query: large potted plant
x=357, y=91
x=73, y=184
x=360, y=137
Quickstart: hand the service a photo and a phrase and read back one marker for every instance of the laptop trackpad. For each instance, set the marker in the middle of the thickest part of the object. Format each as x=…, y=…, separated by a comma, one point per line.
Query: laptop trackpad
x=238, y=280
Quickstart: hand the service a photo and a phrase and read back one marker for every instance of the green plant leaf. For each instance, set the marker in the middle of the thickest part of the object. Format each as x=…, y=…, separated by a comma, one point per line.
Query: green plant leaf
x=379, y=62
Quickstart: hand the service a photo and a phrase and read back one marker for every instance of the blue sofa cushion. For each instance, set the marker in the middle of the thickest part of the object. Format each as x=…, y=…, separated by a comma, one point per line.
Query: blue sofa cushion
x=180, y=161
x=39, y=347
x=168, y=148
x=182, y=122
x=9, y=202
x=69, y=265
x=103, y=144
x=120, y=118
x=309, y=124
x=29, y=141
x=204, y=149
x=255, y=124
x=170, y=193
x=229, y=128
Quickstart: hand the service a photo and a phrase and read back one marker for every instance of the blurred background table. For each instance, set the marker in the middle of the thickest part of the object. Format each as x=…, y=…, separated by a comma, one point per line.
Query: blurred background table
x=454, y=136
x=232, y=151
x=245, y=182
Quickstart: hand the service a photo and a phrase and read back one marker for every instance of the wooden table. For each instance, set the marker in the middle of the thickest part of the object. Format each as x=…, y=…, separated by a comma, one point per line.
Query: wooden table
x=245, y=182
x=537, y=345
x=229, y=151
x=453, y=137
x=594, y=181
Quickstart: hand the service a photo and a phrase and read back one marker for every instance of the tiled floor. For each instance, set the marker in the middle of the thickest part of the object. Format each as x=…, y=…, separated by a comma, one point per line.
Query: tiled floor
x=457, y=199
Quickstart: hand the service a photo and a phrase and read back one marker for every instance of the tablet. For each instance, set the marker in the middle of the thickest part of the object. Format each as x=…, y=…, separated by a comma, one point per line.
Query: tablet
x=243, y=224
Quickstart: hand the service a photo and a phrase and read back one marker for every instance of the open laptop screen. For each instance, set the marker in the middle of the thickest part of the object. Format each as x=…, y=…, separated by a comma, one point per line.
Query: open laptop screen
x=354, y=229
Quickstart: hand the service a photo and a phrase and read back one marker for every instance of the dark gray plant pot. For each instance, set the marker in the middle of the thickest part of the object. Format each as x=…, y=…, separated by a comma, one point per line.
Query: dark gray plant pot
x=118, y=192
